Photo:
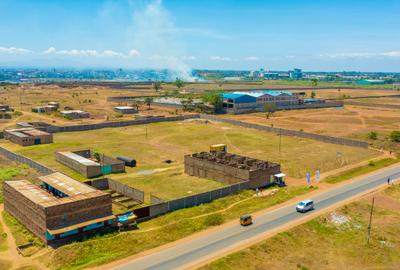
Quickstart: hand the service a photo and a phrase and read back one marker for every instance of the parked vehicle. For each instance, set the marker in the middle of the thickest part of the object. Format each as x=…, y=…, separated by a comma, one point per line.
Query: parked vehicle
x=305, y=206
x=246, y=220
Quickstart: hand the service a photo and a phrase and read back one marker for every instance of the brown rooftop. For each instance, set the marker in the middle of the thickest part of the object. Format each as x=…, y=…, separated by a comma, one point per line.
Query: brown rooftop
x=66, y=184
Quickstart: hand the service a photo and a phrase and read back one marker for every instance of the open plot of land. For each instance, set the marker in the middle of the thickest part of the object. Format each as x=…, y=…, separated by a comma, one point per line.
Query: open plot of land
x=353, y=122
x=383, y=100
x=171, y=141
x=341, y=238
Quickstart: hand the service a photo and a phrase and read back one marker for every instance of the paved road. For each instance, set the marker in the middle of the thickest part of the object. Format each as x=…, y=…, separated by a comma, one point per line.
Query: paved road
x=195, y=249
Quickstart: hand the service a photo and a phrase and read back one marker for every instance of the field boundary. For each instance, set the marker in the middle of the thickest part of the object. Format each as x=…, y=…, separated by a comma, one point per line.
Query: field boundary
x=389, y=106
x=22, y=159
x=114, y=124
x=288, y=132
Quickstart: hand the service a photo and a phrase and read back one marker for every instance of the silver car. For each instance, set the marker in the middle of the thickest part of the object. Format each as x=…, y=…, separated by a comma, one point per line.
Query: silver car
x=305, y=206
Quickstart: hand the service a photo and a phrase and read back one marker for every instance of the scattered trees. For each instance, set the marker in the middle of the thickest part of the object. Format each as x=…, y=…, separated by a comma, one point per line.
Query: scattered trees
x=313, y=94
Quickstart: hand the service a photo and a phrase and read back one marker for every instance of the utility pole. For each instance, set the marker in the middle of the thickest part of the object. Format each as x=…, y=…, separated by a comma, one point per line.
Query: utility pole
x=146, y=131
x=370, y=220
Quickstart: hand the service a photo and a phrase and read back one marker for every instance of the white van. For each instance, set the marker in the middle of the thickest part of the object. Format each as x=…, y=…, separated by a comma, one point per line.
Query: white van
x=305, y=206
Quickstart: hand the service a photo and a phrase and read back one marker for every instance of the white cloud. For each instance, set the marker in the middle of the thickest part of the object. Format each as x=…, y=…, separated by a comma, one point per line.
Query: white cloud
x=13, y=50
x=252, y=58
x=133, y=52
x=220, y=58
x=90, y=53
x=50, y=50
x=363, y=55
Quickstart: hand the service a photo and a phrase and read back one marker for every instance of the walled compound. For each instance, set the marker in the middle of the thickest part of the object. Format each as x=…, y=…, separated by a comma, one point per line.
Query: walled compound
x=230, y=168
x=86, y=163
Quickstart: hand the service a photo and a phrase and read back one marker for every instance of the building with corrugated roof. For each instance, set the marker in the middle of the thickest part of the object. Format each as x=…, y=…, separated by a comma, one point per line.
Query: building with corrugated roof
x=241, y=102
x=59, y=209
x=84, y=162
x=28, y=136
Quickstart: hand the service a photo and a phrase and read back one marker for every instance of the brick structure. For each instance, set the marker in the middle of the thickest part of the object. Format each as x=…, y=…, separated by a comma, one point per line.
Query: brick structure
x=83, y=161
x=59, y=209
x=230, y=168
x=28, y=136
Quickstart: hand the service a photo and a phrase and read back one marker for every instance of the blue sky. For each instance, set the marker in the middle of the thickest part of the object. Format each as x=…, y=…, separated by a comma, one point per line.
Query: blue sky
x=216, y=34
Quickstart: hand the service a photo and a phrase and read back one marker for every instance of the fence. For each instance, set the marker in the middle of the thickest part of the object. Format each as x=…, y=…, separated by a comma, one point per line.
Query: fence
x=197, y=199
x=288, y=132
x=31, y=163
x=388, y=106
x=54, y=129
x=127, y=191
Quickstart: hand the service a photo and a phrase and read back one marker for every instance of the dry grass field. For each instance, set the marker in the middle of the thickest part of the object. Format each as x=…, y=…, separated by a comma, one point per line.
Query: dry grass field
x=341, y=238
x=353, y=122
x=171, y=141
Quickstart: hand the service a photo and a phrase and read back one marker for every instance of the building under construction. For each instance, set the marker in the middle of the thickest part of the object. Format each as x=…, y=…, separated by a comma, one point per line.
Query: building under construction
x=28, y=136
x=59, y=209
x=230, y=168
x=89, y=164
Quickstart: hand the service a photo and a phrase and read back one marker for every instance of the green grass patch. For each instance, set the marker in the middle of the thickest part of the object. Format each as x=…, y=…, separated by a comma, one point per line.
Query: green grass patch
x=372, y=166
x=22, y=235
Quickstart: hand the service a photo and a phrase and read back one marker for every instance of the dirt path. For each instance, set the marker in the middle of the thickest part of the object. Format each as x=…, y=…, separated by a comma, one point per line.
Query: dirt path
x=11, y=254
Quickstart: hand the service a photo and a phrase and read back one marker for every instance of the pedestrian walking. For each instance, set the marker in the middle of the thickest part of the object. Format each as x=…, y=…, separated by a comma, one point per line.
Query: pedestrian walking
x=388, y=181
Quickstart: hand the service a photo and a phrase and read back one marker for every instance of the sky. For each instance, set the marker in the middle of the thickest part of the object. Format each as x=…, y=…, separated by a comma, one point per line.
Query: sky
x=315, y=35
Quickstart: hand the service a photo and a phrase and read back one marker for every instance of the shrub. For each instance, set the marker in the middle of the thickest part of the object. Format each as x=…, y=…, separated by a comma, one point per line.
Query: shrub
x=395, y=136
x=372, y=135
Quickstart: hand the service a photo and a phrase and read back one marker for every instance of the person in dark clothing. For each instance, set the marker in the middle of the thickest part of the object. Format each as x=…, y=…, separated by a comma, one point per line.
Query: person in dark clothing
x=388, y=181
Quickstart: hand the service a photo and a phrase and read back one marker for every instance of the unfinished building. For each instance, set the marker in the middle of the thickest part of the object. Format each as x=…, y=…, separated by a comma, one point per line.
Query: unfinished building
x=60, y=208
x=90, y=164
x=28, y=136
x=230, y=168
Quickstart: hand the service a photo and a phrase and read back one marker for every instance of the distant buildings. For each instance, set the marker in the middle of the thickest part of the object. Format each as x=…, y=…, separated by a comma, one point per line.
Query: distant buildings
x=28, y=136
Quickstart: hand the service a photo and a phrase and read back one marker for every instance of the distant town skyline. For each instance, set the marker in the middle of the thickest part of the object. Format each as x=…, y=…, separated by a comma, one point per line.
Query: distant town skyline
x=183, y=35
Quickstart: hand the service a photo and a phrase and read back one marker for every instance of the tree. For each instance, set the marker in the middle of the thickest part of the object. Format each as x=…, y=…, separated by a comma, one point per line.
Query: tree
x=314, y=82
x=372, y=135
x=148, y=101
x=269, y=108
x=157, y=85
x=395, y=136
x=313, y=94
x=215, y=99
x=179, y=83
